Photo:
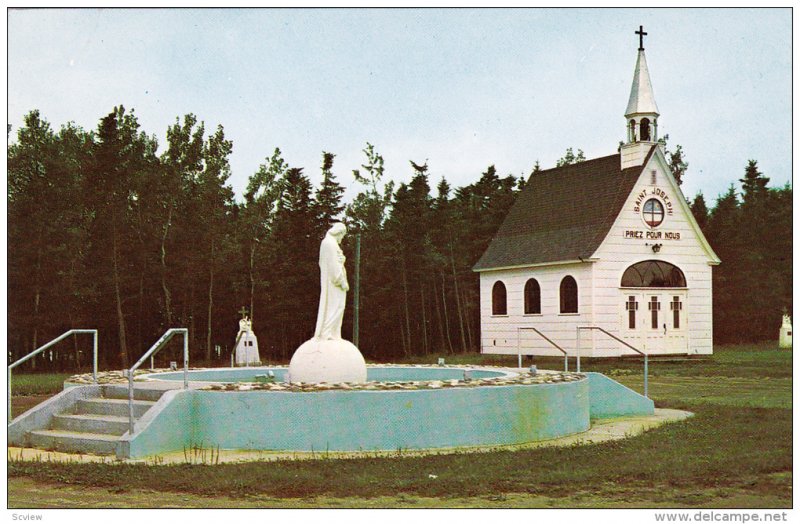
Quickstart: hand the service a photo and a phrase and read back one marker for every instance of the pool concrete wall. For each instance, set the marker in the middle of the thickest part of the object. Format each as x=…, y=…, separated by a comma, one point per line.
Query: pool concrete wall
x=610, y=399
x=364, y=420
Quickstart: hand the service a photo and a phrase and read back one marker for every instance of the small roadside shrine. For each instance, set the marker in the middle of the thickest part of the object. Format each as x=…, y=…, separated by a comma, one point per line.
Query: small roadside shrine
x=246, y=349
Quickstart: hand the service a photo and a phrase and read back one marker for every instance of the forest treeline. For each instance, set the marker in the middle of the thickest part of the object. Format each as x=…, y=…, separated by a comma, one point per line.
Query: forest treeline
x=107, y=230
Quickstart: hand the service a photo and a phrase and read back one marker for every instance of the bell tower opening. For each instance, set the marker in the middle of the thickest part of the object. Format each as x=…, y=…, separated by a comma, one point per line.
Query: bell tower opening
x=644, y=130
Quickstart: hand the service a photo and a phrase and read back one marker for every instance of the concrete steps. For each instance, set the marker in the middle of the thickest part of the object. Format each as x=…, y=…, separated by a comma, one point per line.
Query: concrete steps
x=91, y=423
x=73, y=441
x=95, y=424
x=112, y=406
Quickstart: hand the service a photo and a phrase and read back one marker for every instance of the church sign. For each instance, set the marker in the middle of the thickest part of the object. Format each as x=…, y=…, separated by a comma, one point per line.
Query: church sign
x=647, y=195
x=651, y=235
x=653, y=204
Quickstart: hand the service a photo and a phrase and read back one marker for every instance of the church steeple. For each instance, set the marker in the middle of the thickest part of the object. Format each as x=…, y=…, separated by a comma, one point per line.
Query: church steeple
x=641, y=115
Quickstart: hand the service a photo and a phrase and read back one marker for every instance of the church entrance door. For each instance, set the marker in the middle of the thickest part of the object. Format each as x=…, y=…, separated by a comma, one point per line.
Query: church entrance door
x=654, y=320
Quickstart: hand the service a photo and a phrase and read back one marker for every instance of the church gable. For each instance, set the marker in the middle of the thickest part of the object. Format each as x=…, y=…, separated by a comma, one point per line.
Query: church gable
x=655, y=214
x=562, y=214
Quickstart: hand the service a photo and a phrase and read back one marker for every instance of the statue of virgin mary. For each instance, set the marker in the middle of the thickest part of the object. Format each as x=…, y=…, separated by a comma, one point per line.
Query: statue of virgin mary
x=333, y=285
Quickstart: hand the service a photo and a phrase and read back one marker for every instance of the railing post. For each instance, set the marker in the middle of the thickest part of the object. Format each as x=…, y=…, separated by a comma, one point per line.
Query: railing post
x=94, y=357
x=185, y=359
x=519, y=349
x=130, y=401
x=41, y=349
x=645, y=375
x=10, y=417
x=566, y=363
x=578, y=348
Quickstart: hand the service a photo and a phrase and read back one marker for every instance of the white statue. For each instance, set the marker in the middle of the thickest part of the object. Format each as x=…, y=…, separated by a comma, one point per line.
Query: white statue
x=785, y=335
x=246, y=347
x=327, y=357
x=333, y=285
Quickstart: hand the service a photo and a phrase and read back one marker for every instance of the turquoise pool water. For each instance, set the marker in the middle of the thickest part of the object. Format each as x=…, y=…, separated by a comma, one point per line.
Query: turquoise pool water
x=379, y=374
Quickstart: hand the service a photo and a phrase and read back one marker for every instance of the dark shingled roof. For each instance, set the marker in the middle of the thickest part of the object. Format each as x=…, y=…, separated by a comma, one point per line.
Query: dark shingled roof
x=562, y=214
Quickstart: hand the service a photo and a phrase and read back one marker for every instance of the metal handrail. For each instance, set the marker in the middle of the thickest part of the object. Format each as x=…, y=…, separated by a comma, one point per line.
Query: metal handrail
x=578, y=349
x=42, y=348
x=519, y=352
x=168, y=334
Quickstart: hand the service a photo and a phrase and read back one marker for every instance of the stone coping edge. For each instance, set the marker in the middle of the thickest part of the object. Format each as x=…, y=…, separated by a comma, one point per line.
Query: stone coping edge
x=512, y=377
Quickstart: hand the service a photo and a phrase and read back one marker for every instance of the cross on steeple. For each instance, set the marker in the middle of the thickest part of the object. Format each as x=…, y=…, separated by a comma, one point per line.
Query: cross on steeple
x=243, y=312
x=641, y=34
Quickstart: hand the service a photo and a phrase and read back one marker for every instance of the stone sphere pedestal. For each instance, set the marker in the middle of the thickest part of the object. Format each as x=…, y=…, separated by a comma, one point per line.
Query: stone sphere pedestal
x=330, y=361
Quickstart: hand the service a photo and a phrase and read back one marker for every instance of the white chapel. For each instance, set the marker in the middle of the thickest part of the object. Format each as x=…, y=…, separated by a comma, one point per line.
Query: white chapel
x=608, y=243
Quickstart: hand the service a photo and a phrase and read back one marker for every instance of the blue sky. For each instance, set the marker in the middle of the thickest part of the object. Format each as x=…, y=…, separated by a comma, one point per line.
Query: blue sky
x=461, y=88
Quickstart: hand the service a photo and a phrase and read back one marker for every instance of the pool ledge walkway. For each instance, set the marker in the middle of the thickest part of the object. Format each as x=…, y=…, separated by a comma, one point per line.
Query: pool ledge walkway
x=601, y=431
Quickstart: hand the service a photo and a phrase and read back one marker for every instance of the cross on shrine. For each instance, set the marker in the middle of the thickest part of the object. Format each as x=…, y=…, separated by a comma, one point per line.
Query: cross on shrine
x=243, y=312
x=641, y=34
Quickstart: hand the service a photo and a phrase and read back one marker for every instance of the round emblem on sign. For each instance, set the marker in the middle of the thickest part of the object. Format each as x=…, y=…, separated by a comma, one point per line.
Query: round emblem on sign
x=653, y=212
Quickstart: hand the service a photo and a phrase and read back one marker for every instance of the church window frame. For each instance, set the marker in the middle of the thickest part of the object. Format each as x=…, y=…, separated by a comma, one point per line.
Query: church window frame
x=532, y=297
x=499, y=299
x=676, y=305
x=631, y=306
x=653, y=212
x=568, y=296
x=653, y=274
x=654, y=305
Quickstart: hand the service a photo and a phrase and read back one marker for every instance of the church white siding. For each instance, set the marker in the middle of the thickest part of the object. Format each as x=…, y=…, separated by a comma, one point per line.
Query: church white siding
x=500, y=333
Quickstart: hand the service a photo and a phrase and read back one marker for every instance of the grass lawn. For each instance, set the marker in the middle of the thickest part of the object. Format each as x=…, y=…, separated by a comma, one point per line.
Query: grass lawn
x=736, y=452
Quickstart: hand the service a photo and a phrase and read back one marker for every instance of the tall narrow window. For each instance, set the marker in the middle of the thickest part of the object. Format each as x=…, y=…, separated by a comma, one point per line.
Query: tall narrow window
x=676, y=305
x=631, y=306
x=654, y=307
x=569, y=295
x=533, y=297
x=499, y=299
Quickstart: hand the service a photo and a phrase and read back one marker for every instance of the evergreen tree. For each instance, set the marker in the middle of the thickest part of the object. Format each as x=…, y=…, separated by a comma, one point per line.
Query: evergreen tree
x=121, y=155
x=754, y=183
x=296, y=248
x=699, y=210
x=328, y=198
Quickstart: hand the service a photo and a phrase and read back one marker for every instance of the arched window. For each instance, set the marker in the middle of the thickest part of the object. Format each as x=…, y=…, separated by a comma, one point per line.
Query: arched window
x=653, y=273
x=499, y=299
x=632, y=131
x=569, y=295
x=644, y=129
x=533, y=297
